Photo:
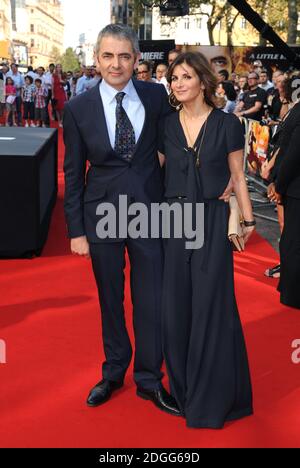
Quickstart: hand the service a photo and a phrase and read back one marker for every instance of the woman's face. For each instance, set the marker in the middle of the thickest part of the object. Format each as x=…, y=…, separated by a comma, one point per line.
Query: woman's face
x=280, y=82
x=242, y=82
x=220, y=90
x=186, y=84
x=58, y=68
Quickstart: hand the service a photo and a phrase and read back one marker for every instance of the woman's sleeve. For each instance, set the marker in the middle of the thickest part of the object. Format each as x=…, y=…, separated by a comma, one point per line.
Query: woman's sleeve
x=290, y=165
x=235, y=137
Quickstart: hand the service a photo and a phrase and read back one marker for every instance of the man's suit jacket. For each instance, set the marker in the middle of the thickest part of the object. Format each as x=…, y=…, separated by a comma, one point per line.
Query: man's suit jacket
x=287, y=166
x=87, y=140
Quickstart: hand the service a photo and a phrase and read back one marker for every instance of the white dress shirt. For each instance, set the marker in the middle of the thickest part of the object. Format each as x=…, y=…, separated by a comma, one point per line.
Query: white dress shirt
x=32, y=74
x=48, y=80
x=131, y=104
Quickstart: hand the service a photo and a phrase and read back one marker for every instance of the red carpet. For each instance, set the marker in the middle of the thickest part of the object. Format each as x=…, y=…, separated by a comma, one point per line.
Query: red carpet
x=50, y=322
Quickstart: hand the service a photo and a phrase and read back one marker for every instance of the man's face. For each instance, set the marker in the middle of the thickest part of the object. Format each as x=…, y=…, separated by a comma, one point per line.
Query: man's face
x=51, y=68
x=172, y=56
x=252, y=81
x=69, y=75
x=263, y=78
x=40, y=71
x=218, y=56
x=88, y=72
x=143, y=74
x=14, y=68
x=161, y=71
x=116, y=61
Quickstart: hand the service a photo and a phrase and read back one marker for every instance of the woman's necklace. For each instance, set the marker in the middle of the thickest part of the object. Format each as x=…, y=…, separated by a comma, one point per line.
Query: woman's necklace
x=189, y=140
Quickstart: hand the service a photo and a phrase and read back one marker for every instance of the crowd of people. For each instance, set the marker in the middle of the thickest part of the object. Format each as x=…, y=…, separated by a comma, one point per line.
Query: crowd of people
x=25, y=97
x=36, y=97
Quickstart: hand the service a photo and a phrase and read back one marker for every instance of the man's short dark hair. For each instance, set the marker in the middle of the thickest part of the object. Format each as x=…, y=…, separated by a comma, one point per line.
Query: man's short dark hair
x=225, y=74
x=146, y=64
x=28, y=77
x=174, y=51
x=120, y=31
x=254, y=73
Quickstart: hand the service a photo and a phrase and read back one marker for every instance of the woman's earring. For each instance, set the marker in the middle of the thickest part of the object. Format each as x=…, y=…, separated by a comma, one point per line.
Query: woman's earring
x=174, y=103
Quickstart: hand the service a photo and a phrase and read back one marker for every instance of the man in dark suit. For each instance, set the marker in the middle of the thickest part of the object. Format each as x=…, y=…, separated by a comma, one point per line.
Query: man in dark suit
x=115, y=127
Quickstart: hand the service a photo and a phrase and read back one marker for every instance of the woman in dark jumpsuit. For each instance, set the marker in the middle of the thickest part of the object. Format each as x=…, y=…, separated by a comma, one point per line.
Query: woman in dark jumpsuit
x=203, y=341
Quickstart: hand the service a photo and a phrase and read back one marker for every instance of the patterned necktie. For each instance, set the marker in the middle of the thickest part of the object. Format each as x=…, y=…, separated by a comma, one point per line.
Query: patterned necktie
x=125, y=137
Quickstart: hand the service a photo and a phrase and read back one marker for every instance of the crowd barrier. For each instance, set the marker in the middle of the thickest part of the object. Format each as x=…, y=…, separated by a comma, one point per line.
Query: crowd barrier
x=257, y=140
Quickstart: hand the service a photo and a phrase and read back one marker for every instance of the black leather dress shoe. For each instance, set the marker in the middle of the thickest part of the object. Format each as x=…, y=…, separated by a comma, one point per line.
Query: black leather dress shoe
x=102, y=392
x=161, y=399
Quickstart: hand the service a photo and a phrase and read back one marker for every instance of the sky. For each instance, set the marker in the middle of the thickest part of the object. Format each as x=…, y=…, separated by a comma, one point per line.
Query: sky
x=81, y=16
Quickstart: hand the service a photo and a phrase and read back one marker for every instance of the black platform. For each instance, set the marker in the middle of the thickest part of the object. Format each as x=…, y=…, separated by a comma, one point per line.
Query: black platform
x=28, y=189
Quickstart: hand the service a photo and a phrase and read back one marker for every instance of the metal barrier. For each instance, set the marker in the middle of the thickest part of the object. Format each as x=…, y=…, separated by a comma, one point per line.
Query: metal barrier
x=256, y=186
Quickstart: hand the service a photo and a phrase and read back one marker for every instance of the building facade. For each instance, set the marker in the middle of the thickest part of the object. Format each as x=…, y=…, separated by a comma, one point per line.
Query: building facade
x=88, y=37
x=193, y=30
x=5, y=30
x=134, y=15
x=40, y=25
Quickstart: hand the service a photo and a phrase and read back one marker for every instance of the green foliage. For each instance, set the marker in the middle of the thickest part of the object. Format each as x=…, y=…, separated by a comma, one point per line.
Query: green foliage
x=55, y=54
x=281, y=15
x=69, y=60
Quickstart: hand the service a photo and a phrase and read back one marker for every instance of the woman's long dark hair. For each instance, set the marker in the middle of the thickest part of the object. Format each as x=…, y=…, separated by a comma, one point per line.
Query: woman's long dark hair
x=201, y=66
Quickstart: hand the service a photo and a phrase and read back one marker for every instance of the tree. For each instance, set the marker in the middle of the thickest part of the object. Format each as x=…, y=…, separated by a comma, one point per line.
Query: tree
x=55, y=55
x=217, y=13
x=231, y=17
x=293, y=15
x=281, y=15
x=69, y=60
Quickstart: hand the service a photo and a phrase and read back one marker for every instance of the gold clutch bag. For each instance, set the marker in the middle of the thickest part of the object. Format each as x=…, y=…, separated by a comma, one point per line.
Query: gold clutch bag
x=235, y=225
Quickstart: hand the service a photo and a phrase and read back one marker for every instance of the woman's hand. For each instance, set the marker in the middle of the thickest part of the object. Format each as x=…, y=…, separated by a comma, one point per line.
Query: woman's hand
x=273, y=196
x=265, y=170
x=227, y=193
x=247, y=233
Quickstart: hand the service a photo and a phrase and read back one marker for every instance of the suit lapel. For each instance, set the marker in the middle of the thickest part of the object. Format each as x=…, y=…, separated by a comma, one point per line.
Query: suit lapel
x=98, y=117
x=144, y=97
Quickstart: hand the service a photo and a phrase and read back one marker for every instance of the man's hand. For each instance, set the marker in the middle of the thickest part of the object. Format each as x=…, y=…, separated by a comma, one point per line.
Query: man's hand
x=228, y=191
x=80, y=246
